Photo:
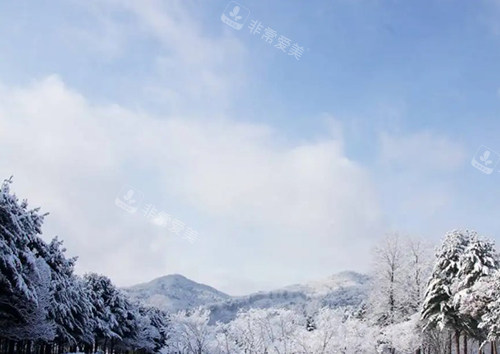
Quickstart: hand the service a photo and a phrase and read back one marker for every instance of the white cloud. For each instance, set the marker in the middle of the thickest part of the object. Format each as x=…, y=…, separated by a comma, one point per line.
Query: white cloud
x=303, y=202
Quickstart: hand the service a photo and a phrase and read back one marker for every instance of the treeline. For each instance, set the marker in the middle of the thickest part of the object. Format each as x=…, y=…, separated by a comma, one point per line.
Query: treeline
x=46, y=308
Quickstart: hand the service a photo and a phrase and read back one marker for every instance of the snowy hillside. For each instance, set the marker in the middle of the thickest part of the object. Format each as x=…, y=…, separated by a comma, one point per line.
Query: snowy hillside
x=342, y=289
x=175, y=292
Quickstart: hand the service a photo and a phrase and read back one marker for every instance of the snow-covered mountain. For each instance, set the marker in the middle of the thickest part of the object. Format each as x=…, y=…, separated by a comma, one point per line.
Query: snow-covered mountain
x=175, y=292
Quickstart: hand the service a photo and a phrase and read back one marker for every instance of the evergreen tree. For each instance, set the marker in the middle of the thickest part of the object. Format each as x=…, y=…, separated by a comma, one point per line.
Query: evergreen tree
x=438, y=310
x=18, y=269
x=490, y=293
x=101, y=295
x=462, y=261
x=35, y=324
x=478, y=261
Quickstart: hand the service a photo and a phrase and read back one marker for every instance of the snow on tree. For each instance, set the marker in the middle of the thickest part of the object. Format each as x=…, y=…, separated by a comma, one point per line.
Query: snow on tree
x=279, y=327
x=101, y=294
x=400, y=271
x=438, y=310
x=386, y=296
x=478, y=261
x=337, y=331
x=191, y=332
x=451, y=301
x=152, y=328
x=485, y=303
x=272, y=330
x=322, y=338
x=416, y=269
x=35, y=324
x=70, y=309
x=404, y=337
x=18, y=229
x=357, y=336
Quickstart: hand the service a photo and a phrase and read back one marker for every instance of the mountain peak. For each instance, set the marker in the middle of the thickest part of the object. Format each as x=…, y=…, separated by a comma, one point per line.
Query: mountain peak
x=175, y=292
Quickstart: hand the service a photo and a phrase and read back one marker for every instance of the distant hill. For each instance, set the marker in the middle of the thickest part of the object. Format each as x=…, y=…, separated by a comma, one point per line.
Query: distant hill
x=175, y=292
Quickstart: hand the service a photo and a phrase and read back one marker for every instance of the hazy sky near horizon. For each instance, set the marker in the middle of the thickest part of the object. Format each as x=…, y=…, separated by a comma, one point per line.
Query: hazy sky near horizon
x=286, y=168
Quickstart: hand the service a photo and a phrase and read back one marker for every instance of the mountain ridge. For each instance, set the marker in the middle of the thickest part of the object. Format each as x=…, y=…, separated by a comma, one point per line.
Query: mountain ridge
x=175, y=292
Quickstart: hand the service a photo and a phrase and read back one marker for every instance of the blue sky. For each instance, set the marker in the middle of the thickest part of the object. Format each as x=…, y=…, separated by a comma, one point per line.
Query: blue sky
x=274, y=161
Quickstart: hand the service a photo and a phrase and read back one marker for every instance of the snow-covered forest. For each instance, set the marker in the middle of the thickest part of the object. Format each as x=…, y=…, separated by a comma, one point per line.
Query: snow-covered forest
x=420, y=300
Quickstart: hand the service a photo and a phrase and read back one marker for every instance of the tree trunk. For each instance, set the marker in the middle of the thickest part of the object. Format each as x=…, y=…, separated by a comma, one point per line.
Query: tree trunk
x=11, y=346
x=457, y=342
x=465, y=343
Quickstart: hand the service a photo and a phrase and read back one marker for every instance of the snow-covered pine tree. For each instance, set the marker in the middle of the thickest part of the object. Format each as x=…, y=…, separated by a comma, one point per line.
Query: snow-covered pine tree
x=120, y=324
x=129, y=323
x=18, y=227
x=477, y=262
x=102, y=292
x=24, y=294
x=160, y=320
x=83, y=320
x=463, y=259
x=35, y=325
x=154, y=330
x=490, y=318
x=70, y=309
x=438, y=310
